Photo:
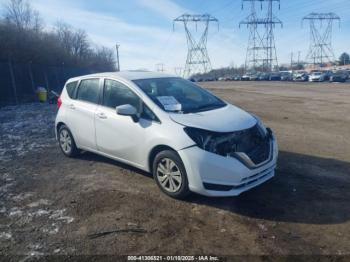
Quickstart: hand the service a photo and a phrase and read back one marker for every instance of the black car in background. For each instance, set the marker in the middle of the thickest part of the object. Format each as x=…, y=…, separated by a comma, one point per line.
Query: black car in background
x=264, y=77
x=275, y=76
x=339, y=76
x=286, y=76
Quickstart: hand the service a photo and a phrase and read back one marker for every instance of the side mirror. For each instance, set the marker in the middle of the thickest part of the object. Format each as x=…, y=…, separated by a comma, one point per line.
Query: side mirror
x=127, y=110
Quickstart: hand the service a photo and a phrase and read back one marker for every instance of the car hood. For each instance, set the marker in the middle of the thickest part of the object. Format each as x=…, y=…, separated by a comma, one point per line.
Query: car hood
x=227, y=119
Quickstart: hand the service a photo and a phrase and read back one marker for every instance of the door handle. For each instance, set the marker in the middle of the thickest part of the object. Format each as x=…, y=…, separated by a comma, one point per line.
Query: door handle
x=72, y=106
x=101, y=115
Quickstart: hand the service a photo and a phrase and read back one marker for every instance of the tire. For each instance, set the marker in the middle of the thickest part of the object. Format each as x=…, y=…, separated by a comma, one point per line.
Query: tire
x=66, y=142
x=168, y=165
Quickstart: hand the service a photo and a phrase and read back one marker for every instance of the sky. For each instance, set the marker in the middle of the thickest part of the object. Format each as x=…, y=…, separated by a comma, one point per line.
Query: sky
x=146, y=35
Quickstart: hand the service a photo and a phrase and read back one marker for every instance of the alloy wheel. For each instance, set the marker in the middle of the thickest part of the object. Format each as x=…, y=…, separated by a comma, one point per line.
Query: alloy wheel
x=65, y=141
x=169, y=175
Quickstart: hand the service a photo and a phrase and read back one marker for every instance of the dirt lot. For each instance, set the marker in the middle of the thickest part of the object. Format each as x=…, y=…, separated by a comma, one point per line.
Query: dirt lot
x=53, y=205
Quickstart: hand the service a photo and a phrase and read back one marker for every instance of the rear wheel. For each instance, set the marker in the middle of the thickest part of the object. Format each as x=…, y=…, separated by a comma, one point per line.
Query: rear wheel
x=66, y=142
x=170, y=174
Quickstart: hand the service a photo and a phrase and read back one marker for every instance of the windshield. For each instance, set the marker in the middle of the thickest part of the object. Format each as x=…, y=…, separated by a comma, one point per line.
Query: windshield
x=179, y=95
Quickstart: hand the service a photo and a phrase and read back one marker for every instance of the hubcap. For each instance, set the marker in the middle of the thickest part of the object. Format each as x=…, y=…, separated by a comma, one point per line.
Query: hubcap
x=169, y=175
x=65, y=141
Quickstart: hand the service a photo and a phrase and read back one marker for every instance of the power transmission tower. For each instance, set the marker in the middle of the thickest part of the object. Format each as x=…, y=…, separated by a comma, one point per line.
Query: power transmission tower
x=197, y=56
x=320, y=50
x=160, y=67
x=178, y=71
x=261, y=51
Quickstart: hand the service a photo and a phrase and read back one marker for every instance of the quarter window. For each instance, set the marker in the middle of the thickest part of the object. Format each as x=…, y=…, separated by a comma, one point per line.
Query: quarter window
x=88, y=90
x=70, y=87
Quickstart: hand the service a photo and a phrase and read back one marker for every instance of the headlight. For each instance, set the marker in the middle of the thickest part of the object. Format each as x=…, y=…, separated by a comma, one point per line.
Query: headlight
x=199, y=136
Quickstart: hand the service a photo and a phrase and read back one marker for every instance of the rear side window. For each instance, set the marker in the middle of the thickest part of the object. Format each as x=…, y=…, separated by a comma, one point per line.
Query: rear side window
x=88, y=90
x=70, y=87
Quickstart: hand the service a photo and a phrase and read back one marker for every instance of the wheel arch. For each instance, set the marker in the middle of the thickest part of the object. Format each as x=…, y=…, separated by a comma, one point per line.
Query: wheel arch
x=155, y=150
x=58, y=126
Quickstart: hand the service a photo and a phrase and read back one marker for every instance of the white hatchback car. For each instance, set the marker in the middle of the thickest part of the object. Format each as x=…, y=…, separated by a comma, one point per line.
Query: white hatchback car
x=189, y=139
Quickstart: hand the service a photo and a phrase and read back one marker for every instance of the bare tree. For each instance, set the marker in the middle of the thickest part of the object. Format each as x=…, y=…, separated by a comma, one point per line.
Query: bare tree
x=21, y=14
x=75, y=42
x=81, y=46
x=23, y=40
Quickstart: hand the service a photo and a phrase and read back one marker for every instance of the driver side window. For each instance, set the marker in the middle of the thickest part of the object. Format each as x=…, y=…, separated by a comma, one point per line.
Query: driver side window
x=116, y=94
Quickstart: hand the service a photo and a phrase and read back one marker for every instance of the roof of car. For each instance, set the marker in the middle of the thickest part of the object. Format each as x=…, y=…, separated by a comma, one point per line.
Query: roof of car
x=129, y=75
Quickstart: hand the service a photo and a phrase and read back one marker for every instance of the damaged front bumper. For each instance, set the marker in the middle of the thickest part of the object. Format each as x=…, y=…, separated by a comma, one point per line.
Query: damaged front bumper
x=214, y=175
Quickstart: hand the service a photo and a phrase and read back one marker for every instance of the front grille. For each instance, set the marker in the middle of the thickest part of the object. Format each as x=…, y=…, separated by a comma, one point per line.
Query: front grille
x=254, y=144
x=260, y=153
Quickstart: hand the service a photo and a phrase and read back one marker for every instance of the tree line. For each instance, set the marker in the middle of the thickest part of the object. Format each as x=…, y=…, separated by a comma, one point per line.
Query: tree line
x=24, y=39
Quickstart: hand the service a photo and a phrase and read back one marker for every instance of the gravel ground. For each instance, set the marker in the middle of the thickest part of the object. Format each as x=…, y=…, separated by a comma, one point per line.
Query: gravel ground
x=90, y=205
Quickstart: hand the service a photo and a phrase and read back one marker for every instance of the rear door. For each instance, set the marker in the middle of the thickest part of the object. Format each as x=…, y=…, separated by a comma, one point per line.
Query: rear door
x=81, y=117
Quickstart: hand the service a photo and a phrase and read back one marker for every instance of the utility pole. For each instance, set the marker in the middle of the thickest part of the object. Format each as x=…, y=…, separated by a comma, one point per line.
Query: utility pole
x=118, y=65
x=291, y=61
x=321, y=26
x=197, y=55
x=299, y=52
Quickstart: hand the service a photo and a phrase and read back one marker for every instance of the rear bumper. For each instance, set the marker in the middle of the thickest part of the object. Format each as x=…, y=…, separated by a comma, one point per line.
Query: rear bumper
x=214, y=175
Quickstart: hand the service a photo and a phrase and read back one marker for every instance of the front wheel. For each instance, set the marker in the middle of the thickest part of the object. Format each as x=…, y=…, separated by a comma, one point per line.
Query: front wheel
x=66, y=142
x=170, y=174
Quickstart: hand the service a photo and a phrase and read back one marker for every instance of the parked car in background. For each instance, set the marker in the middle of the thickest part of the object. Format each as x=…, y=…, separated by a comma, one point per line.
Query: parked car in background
x=286, y=76
x=254, y=77
x=229, y=78
x=236, y=78
x=209, y=79
x=327, y=75
x=317, y=76
x=339, y=76
x=189, y=139
x=348, y=73
x=301, y=76
x=246, y=77
x=264, y=77
x=275, y=76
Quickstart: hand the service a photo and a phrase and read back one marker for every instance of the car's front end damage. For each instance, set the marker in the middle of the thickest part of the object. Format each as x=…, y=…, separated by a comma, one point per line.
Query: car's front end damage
x=227, y=164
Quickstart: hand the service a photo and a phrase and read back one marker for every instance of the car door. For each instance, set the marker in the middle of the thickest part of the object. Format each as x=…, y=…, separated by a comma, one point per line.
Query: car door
x=82, y=113
x=119, y=136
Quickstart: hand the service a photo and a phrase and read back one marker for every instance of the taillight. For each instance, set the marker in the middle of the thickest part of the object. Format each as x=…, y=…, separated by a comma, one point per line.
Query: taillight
x=59, y=102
